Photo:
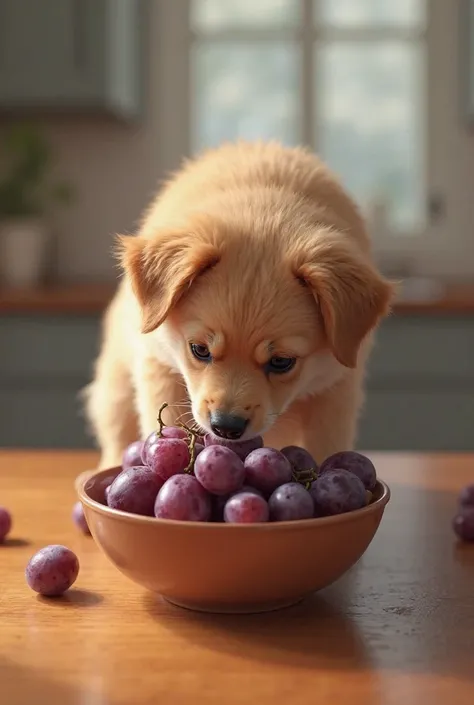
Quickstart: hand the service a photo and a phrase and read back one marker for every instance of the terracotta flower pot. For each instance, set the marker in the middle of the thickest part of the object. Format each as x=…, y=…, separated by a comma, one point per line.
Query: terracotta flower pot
x=23, y=248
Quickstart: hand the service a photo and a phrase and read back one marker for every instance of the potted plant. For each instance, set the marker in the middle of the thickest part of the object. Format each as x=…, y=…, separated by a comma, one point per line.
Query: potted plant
x=26, y=199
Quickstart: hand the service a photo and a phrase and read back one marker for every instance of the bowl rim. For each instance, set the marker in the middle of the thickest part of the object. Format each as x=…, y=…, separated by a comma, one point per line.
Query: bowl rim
x=83, y=478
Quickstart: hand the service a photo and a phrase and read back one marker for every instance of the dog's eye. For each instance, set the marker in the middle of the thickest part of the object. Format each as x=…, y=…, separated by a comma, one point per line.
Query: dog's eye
x=280, y=365
x=201, y=352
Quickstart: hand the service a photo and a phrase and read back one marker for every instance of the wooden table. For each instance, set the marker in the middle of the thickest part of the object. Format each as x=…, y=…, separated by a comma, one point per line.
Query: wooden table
x=398, y=629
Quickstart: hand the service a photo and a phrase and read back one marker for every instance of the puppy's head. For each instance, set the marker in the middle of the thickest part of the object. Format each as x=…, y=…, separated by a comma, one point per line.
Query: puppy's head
x=254, y=321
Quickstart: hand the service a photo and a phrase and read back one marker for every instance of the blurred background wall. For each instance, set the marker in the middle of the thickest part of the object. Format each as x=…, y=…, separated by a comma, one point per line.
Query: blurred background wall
x=122, y=90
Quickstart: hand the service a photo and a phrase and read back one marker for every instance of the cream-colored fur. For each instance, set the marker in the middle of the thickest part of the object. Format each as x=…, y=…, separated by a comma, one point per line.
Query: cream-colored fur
x=253, y=250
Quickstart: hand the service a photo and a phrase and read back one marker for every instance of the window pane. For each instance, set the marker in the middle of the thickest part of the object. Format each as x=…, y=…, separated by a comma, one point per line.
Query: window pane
x=245, y=90
x=219, y=14
x=370, y=122
x=353, y=13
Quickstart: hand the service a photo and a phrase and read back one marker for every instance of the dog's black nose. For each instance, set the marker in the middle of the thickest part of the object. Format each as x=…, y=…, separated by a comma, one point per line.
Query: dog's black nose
x=227, y=425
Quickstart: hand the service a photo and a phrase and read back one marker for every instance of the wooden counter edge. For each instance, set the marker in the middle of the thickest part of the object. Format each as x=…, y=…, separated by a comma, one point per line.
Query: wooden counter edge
x=90, y=299
x=80, y=299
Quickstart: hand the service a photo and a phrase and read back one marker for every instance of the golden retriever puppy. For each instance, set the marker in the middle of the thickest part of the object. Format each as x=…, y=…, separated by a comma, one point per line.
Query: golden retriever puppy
x=248, y=294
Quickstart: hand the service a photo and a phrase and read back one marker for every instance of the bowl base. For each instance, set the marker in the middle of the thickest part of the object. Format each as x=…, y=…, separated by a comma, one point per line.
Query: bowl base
x=250, y=608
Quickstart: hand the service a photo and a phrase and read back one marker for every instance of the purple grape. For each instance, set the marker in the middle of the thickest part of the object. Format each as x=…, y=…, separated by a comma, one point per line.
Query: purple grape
x=219, y=501
x=241, y=448
x=166, y=432
x=466, y=496
x=249, y=488
x=79, y=518
x=5, y=523
x=355, y=463
x=219, y=470
x=183, y=498
x=290, y=502
x=337, y=492
x=135, y=491
x=147, y=443
x=246, y=508
x=102, y=487
x=266, y=469
x=299, y=458
x=463, y=524
x=52, y=570
x=168, y=456
x=174, y=432
x=132, y=455
x=198, y=448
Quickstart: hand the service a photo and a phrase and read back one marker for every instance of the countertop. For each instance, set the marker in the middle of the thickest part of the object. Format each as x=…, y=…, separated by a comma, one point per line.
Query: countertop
x=72, y=299
x=398, y=629
x=87, y=299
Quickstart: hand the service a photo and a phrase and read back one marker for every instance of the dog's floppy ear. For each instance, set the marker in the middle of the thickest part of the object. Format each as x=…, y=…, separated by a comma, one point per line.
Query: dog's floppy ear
x=162, y=269
x=351, y=294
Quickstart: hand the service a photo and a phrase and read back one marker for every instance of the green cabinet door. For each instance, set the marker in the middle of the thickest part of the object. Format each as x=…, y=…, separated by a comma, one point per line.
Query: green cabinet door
x=64, y=55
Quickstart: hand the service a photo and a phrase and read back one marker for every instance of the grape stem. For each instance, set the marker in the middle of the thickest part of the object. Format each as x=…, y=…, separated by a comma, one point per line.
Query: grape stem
x=305, y=477
x=161, y=423
x=192, y=435
x=192, y=449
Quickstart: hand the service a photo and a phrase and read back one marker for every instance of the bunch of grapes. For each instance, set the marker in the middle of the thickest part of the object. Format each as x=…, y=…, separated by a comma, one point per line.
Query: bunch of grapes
x=463, y=522
x=176, y=474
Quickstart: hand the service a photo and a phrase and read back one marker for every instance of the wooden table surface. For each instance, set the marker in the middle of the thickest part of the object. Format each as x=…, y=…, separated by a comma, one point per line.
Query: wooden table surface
x=398, y=629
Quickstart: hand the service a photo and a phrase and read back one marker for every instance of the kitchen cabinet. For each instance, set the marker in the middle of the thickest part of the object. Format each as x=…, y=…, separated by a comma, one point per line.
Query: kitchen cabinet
x=71, y=56
x=45, y=360
x=420, y=385
x=420, y=382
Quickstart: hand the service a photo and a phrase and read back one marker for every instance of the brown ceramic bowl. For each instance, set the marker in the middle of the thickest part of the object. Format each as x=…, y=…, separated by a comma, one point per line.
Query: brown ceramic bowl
x=229, y=567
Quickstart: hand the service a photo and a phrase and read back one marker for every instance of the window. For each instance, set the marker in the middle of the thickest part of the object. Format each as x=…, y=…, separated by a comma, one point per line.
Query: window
x=344, y=76
x=371, y=85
